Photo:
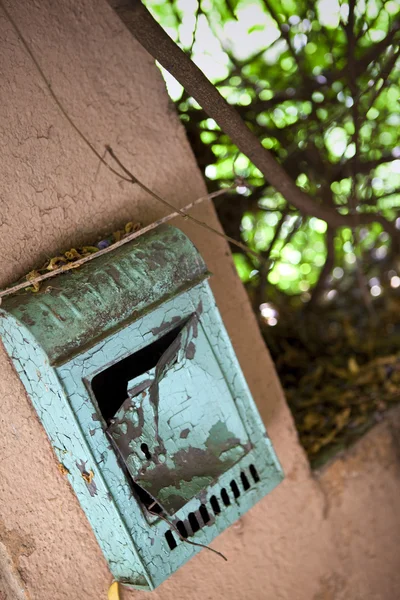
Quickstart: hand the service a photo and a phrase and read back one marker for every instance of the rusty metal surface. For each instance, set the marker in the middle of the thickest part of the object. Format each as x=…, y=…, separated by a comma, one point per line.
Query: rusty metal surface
x=76, y=310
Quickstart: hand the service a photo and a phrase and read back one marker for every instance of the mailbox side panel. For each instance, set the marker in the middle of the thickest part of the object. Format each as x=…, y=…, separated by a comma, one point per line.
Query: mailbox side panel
x=76, y=460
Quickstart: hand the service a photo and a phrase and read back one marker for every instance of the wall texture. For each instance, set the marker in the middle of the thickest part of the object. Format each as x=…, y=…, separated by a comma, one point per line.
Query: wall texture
x=332, y=537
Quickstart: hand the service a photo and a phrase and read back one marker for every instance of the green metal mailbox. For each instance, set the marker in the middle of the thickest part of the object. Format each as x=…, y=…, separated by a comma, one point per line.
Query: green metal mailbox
x=134, y=378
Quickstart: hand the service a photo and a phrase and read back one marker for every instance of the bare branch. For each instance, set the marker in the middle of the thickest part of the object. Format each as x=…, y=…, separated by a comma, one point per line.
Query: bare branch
x=175, y=11
x=239, y=64
x=198, y=13
x=285, y=35
x=326, y=269
x=231, y=9
x=266, y=266
x=353, y=87
x=134, y=179
x=370, y=56
x=377, y=49
x=267, y=253
x=384, y=76
x=154, y=39
x=363, y=31
x=362, y=167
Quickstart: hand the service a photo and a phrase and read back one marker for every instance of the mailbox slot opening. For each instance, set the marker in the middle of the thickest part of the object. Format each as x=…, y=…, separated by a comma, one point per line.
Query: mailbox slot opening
x=110, y=387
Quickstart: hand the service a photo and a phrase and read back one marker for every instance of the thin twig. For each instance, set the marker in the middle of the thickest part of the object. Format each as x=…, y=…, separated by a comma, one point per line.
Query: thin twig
x=353, y=198
x=134, y=179
x=196, y=24
x=128, y=174
x=265, y=268
x=125, y=240
x=384, y=76
x=285, y=34
x=183, y=539
x=326, y=269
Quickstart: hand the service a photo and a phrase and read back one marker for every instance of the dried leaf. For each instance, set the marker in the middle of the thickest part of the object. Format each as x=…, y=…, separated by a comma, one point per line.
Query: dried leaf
x=56, y=263
x=66, y=262
x=324, y=441
x=313, y=377
x=129, y=227
x=361, y=420
x=341, y=373
x=72, y=254
x=310, y=420
x=342, y=418
x=62, y=468
x=35, y=287
x=113, y=591
x=89, y=250
x=350, y=333
x=353, y=366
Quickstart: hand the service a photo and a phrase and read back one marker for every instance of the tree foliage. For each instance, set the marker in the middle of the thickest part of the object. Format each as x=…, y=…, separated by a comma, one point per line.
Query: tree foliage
x=318, y=83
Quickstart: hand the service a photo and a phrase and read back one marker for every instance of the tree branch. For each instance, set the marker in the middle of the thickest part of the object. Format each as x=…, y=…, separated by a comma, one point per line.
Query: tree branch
x=285, y=35
x=266, y=254
x=326, y=269
x=370, y=56
x=376, y=50
x=157, y=42
x=353, y=87
x=373, y=200
x=362, y=167
x=384, y=76
x=162, y=48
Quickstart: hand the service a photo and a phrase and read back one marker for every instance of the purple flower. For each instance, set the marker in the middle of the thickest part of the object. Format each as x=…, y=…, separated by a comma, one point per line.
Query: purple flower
x=103, y=244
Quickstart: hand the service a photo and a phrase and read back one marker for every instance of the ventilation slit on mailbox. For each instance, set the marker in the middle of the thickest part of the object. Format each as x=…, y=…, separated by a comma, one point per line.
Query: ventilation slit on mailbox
x=195, y=523
x=235, y=489
x=245, y=481
x=169, y=536
x=181, y=527
x=254, y=473
x=215, y=505
x=225, y=497
x=204, y=513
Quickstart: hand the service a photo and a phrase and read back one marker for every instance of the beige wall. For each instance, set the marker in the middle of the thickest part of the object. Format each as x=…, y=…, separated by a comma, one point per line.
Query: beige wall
x=311, y=539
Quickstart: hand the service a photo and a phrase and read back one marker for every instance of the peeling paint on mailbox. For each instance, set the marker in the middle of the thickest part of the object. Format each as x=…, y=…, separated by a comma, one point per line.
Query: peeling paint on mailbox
x=134, y=378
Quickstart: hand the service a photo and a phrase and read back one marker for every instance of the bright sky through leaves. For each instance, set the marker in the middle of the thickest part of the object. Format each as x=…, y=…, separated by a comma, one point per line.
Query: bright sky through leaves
x=242, y=49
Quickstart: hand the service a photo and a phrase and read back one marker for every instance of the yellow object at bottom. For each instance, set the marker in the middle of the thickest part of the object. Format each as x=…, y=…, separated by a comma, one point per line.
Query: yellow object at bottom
x=113, y=591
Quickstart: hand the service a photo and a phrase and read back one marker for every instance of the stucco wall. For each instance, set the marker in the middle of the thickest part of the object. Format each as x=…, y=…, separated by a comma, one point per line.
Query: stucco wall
x=311, y=538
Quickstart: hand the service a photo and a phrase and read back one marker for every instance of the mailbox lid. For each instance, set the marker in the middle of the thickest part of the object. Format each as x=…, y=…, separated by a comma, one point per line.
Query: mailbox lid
x=77, y=309
x=179, y=429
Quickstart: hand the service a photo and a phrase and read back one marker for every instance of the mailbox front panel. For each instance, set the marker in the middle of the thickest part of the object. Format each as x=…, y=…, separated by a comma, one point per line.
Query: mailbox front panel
x=197, y=449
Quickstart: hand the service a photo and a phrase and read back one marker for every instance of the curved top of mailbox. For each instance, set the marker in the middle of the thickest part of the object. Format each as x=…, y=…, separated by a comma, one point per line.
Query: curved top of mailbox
x=78, y=308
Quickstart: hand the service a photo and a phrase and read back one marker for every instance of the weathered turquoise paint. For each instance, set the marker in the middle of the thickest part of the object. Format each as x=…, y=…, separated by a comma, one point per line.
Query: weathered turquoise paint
x=173, y=428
